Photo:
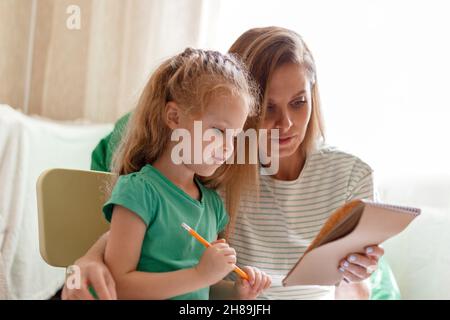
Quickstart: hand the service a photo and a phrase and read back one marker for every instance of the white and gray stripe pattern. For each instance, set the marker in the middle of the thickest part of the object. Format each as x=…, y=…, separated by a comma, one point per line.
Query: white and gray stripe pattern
x=272, y=233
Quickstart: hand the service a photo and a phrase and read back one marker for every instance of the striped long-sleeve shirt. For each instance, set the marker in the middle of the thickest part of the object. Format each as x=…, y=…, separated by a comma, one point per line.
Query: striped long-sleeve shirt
x=272, y=232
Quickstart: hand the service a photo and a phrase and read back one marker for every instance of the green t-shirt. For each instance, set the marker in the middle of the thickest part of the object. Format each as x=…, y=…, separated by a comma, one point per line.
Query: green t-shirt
x=102, y=155
x=163, y=207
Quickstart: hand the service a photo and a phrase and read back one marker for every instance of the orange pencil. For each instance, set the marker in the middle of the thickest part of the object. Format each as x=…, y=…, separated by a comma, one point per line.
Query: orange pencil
x=238, y=270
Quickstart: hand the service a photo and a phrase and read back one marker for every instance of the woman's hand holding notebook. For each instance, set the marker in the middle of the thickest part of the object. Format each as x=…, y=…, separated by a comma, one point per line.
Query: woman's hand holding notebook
x=349, y=229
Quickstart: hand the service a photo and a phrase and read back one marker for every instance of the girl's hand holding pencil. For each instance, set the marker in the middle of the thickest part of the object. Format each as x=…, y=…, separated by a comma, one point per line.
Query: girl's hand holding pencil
x=216, y=262
x=250, y=289
x=219, y=259
x=251, y=286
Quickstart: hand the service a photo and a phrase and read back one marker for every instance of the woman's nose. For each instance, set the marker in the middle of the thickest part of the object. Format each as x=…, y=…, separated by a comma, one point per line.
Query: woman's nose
x=284, y=120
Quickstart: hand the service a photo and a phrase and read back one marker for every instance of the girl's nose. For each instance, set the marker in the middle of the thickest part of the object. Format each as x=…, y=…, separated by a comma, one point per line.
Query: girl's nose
x=228, y=148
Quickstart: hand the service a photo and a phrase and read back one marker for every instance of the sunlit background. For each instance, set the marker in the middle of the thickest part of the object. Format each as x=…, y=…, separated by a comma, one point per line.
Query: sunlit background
x=383, y=68
x=383, y=72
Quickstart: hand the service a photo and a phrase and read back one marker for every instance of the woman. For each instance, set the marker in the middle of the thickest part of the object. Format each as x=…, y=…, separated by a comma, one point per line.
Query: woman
x=273, y=230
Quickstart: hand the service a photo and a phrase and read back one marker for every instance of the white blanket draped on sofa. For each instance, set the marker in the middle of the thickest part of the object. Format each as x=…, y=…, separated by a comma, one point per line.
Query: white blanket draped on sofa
x=28, y=146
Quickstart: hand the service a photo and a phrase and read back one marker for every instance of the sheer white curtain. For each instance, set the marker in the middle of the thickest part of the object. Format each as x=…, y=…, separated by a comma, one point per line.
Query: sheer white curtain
x=383, y=71
x=150, y=31
x=96, y=70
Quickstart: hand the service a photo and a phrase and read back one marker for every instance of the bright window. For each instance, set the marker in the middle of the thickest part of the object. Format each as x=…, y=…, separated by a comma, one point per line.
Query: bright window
x=383, y=70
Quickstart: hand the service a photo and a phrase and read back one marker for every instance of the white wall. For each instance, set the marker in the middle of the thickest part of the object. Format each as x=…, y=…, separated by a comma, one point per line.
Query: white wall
x=383, y=68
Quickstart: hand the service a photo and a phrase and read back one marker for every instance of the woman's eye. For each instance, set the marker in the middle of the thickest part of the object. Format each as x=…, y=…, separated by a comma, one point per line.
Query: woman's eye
x=270, y=107
x=299, y=102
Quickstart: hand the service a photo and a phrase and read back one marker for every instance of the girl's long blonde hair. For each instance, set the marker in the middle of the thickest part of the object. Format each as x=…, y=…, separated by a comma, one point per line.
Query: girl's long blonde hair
x=190, y=79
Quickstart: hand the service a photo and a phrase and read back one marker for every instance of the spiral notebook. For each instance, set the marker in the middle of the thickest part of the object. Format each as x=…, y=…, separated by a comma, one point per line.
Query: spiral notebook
x=350, y=229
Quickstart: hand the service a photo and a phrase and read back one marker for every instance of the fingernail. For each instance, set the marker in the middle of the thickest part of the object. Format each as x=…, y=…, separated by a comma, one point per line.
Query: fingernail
x=346, y=264
x=369, y=250
x=341, y=269
x=352, y=258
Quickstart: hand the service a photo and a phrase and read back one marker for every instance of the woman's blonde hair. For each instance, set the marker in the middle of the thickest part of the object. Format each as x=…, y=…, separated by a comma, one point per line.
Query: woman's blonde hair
x=265, y=49
x=191, y=79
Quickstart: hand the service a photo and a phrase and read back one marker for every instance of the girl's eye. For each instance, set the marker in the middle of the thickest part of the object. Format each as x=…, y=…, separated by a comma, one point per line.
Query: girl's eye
x=221, y=131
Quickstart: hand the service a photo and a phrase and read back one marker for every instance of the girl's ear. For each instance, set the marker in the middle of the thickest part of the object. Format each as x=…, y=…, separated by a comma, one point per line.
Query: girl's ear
x=172, y=115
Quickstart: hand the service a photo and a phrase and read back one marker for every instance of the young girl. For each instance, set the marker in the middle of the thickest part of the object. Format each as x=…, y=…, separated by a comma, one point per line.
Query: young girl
x=148, y=252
